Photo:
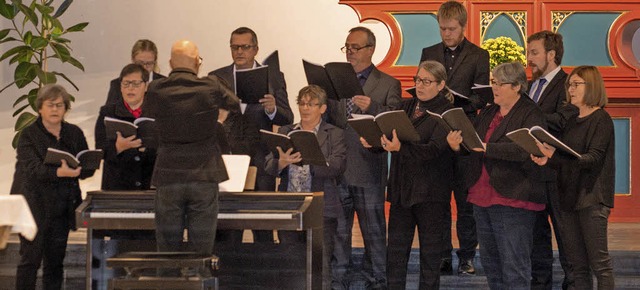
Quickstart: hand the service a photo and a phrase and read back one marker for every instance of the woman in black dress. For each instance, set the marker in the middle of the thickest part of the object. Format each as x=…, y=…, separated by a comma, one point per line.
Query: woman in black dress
x=586, y=184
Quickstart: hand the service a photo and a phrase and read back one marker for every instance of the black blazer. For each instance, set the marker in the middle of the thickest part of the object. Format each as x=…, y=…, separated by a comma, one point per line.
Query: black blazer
x=132, y=168
x=324, y=178
x=284, y=115
x=553, y=103
x=255, y=113
x=115, y=94
x=47, y=194
x=472, y=67
x=511, y=171
x=186, y=111
x=422, y=171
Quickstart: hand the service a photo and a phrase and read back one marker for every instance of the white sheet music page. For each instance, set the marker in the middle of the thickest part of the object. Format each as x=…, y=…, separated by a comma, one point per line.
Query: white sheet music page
x=237, y=168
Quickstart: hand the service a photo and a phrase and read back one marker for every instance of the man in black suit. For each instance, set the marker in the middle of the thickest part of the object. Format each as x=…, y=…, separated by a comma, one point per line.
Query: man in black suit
x=273, y=109
x=544, y=53
x=466, y=64
x=145, y=53
x=189, y=164
x=363, y=190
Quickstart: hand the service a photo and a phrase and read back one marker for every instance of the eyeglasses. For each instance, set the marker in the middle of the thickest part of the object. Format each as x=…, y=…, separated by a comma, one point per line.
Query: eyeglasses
x=353, y=49
x=425, y=81
x=308, y=105
x=51, y=105
x=244, y=47
x=146, y=63
x=574, y=85
x=135, y=84
x=499, y=84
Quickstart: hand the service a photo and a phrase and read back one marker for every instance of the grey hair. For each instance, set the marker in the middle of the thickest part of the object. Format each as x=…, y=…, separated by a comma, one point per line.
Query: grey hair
x=511, y=73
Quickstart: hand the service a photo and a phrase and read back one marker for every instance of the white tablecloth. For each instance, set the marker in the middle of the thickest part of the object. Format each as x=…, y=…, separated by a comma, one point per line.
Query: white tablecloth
x=15, y=212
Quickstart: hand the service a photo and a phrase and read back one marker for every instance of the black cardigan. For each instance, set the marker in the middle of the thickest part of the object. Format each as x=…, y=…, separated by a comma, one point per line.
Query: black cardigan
x=132, y=168
x=47, y=194
x=511, y=171
x=422, y=171
x=590, y=179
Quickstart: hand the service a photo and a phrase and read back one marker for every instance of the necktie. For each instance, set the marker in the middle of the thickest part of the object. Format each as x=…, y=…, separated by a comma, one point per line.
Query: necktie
x=536, y=94
x=350, y=106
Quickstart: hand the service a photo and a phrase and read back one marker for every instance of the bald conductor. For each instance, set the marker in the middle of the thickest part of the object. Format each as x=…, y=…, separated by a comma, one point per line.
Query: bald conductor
x=189, y=165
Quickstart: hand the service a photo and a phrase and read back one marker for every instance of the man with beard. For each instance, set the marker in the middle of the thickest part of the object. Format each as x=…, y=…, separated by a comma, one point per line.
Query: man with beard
x=544, y=54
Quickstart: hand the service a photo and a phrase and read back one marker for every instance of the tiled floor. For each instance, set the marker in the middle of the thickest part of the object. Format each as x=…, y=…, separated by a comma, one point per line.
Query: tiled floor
x=623, y=245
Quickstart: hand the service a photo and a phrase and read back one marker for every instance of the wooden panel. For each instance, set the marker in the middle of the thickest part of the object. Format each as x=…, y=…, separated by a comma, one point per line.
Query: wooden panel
x=622, y=80
x=626, y=204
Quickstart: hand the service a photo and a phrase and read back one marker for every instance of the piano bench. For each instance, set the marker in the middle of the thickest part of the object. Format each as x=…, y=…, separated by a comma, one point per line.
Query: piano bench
x=197, y=271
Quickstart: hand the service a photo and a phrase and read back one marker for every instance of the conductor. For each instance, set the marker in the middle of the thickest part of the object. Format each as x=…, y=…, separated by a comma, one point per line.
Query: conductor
x=188, y=165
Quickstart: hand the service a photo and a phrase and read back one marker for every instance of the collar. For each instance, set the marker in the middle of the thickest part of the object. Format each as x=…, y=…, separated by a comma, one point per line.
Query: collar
x=255, y=65
x=552, y=74
x=136, y=113
x=315, y=129
x=183, y=70
x=40, y=124
x=458, y=48
x=365, y=72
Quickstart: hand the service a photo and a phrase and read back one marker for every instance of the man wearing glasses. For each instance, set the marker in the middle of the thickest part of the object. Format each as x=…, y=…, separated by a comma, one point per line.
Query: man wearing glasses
x=189, y=164
x=363, y=192
x=466, y=65
x=272, y=109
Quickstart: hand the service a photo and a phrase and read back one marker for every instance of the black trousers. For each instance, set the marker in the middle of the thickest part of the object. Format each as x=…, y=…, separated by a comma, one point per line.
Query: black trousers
x=427, y=217
x=48, y=247
x=465, y=228
x=542, y=251
x=193, y=206
x=586, y=246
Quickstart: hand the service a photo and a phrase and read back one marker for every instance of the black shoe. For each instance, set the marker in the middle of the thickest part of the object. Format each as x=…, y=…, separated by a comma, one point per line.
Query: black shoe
x=446, y=268
x=466, y=267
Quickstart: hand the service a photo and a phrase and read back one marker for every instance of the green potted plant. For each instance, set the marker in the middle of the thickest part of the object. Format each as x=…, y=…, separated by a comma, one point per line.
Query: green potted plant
x=503, y=49
x=35, y=37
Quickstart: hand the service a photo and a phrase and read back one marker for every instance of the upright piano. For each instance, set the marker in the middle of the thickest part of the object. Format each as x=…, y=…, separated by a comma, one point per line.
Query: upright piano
x=108, y=214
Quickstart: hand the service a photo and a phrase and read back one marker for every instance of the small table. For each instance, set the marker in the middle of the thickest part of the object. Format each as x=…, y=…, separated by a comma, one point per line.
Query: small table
x=15, y=216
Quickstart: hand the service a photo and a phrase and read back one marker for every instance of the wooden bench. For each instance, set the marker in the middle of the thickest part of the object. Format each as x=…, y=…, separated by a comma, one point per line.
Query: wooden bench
x=197, y=271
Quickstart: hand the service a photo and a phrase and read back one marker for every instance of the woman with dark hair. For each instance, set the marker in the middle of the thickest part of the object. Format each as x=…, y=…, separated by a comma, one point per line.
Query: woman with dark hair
x=128, y=162
x=419, y=187
x=145, y=53
x=53, y=192
x=586, y=184
x=505, y=187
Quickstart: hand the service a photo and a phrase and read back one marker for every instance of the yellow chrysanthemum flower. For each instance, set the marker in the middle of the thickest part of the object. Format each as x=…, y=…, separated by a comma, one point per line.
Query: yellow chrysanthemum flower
x=503, y=49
